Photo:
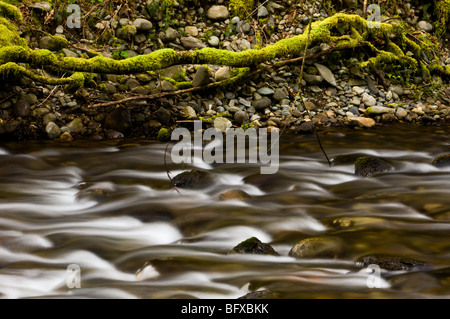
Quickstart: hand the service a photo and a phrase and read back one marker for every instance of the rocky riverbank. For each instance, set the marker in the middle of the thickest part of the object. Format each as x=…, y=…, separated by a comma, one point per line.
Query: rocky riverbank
x=332, y=92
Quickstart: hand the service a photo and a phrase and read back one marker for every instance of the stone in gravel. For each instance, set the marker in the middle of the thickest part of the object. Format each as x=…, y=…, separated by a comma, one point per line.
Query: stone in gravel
x=279, y=94
x=191, y=30
x=169, y=35
x=126, y=32
x=312, y=79
x=163, y=115
x=378, y=110
x=368, y=165
x=167, y=86
x=142, y=25
x=53, y=130
x=362, y=121
x=222, y=124
x=355, y=101
x=175, y=72
x=233, y=109
x=317, y=247
x=241, y=117
x=201, y=76
x=388, y=118
x=39, y=112
x=49, y=117
x=400, y=113
x=265, y=91
x=189, y=112
x=217, y=12
x=310, y=106
x=326, y=74
x=368, y=100
x=253, y=246
x=262, y=12
x=49, y=43
x=43, y=6
x=132, y=83
x=261, y=104
x=76, y=125
x=396, y=89
x=358, y=90
x=119, y=120
x=425, y=26
x=192, y=43
x=70, y=53
x=213, y=41
x=21, y=108
x=223, y=73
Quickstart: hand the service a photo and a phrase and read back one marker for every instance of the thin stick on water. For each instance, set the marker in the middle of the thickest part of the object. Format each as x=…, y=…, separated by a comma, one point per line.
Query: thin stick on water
x=321, y=147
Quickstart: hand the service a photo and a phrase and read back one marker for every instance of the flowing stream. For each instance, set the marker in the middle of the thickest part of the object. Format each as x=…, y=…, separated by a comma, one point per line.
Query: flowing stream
x=101, y=216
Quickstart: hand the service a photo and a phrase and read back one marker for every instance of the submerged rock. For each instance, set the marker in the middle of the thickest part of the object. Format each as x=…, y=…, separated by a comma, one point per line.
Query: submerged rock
x=391, y=263
x=317, y=247
x=234, y=194
x=442, y=160
x=193, y=179
x=253, y=246
x=369, y=165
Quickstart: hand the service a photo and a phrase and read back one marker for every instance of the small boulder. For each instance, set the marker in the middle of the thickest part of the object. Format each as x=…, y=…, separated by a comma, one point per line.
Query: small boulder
x=317, y=247
x=392, y=263
x=368, y=165
x=253, y=246
x=193, y=179
x=442, y=161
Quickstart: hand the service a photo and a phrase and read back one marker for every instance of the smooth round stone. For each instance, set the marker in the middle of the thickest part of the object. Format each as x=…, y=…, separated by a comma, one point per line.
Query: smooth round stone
x=265, y=91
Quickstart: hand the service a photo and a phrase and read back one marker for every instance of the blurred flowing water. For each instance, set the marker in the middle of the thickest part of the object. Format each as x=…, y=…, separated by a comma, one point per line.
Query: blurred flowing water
x=108, y=208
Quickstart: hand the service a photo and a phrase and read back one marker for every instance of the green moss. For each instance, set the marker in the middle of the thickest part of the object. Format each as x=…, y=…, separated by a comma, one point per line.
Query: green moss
x=241, y=8
x=442, y=9
x=11, y=12
x=164, y=135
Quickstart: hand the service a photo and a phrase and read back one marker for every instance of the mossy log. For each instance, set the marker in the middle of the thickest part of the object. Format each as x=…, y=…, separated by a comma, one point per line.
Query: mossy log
x=339, y=31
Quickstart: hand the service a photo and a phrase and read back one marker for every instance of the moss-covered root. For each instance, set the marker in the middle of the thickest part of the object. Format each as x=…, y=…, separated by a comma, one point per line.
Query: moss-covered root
x=11, y=69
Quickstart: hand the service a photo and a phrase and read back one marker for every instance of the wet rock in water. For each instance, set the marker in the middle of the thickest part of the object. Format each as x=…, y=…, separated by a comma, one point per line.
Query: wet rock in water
x=317, y=247
x=193, y=179
x=414, y=282
x=392, y=263
x=234, y=194
x=306, y=128
x=442, y=161
x=260, y=294
x=253, y=246
x=95, y=191
x=368, y=165
x=346, y=159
